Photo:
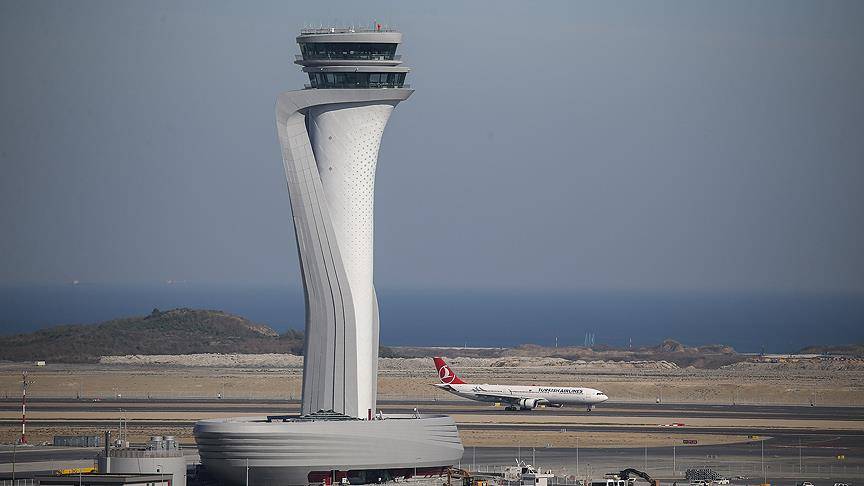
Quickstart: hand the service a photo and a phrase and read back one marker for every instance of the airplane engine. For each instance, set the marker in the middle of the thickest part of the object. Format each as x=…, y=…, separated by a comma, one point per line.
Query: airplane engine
x=528, y=403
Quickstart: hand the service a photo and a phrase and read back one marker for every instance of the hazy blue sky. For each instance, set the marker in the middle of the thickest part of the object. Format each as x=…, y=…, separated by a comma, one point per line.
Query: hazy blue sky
x=707, y=146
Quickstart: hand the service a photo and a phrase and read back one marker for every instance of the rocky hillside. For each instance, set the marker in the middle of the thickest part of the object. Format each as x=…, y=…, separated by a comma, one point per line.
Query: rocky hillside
x=671, y=351
x=177, y=331
x=847, y=350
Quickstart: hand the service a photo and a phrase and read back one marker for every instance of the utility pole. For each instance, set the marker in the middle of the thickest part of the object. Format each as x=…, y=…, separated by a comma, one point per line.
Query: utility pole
x=247, y=471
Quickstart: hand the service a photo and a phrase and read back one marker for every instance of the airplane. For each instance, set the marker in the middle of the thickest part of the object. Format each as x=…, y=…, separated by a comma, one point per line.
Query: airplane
x=517, y=397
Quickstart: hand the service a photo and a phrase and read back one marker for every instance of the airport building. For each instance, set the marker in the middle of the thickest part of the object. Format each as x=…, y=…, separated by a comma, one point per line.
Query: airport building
x=160, y=456
x=330, y=133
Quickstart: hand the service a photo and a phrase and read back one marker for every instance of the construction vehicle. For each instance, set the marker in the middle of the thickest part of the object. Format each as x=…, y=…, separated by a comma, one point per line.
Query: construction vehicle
x=705, y=475
x=463, y=477
x=623, y=478
x=75, y=470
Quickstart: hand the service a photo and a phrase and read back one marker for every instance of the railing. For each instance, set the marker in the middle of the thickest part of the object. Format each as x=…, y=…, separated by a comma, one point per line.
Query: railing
x=135, y=453
x=396, y=57
x=18, y=482
x=371, y=85
x=343, y=30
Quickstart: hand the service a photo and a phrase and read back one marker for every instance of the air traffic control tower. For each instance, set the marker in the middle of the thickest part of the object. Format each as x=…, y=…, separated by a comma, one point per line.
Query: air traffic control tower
x=330, y=133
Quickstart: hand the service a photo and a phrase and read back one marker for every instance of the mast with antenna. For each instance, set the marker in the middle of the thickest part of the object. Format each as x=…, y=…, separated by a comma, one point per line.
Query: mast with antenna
x=24, y=383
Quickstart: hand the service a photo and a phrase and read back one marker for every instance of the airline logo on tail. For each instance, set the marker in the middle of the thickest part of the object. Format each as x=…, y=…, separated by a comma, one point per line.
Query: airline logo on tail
x=445, y=373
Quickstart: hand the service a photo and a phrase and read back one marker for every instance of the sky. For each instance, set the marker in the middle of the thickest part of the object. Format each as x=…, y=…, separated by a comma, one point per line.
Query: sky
x=650, y=146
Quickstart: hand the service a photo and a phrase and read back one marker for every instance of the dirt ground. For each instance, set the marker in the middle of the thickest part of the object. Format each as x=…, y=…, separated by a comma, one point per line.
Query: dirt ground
x=753, y=385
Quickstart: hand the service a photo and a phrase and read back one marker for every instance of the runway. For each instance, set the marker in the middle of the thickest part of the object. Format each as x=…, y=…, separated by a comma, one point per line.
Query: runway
x=453, y=407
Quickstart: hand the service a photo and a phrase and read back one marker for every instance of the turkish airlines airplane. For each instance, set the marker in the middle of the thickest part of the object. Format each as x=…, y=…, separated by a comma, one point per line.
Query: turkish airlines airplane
x=517, y=397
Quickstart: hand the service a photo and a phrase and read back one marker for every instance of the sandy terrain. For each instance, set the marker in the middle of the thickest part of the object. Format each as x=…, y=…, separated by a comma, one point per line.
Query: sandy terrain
x=392, y=364
x=279, y=376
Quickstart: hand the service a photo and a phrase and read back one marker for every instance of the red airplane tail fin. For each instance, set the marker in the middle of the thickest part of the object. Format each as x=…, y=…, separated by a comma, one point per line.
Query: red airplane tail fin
x=445, y=373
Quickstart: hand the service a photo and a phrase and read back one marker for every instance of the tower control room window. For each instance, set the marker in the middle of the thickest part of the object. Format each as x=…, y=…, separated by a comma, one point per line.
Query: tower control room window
x=357, y=80
x=348, y=50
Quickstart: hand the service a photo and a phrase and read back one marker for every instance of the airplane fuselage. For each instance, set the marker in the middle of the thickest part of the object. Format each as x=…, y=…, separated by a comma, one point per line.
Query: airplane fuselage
x=544, y=395
x=517, y=397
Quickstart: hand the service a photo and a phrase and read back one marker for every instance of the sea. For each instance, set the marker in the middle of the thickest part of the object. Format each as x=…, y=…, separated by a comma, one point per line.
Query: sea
x=749, y=322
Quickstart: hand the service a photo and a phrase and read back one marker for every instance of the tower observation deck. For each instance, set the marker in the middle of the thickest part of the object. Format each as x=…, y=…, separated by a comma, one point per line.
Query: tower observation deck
x=349, y=58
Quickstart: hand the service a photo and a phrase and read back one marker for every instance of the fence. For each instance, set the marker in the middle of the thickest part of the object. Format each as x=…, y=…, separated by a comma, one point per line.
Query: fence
x=18, y=482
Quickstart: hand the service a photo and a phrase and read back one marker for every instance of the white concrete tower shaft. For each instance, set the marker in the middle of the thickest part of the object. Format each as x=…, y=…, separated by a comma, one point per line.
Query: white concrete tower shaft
x=345, y=140
x=330, y=135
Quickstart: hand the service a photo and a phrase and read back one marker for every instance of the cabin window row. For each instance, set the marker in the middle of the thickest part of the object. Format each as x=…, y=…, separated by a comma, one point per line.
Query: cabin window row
x=357, y=80
x=348, y=50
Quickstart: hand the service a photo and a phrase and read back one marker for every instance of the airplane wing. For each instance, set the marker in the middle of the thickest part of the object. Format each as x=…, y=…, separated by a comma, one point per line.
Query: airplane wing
x=509, y=398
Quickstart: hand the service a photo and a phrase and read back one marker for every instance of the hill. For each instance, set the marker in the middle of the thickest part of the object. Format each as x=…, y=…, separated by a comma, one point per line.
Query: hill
x=177, y=331
x=844, y=350
x=709, y=356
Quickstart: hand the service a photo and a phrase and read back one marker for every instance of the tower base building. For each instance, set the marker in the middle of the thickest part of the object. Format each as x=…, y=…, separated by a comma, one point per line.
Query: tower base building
x=310, y=450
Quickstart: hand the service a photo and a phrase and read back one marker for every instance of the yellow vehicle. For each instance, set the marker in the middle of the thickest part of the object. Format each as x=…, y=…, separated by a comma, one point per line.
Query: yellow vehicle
x=75, y=470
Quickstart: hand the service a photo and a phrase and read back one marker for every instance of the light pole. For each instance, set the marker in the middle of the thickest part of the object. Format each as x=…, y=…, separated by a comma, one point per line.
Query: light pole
x=646, y=457
x=673, y=460
x=577, y=456
x=800, y=463
x=764, y=474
